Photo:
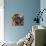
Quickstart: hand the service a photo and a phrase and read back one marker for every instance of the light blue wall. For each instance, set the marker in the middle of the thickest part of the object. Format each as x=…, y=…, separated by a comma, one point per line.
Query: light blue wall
x=25, y=7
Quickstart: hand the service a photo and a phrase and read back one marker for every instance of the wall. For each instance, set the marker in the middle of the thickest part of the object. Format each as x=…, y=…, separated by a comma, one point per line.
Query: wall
x=25, y=7
x=43, y=6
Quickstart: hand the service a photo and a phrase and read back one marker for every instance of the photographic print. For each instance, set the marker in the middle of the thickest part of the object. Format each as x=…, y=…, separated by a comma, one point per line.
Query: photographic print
x=17, y=20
